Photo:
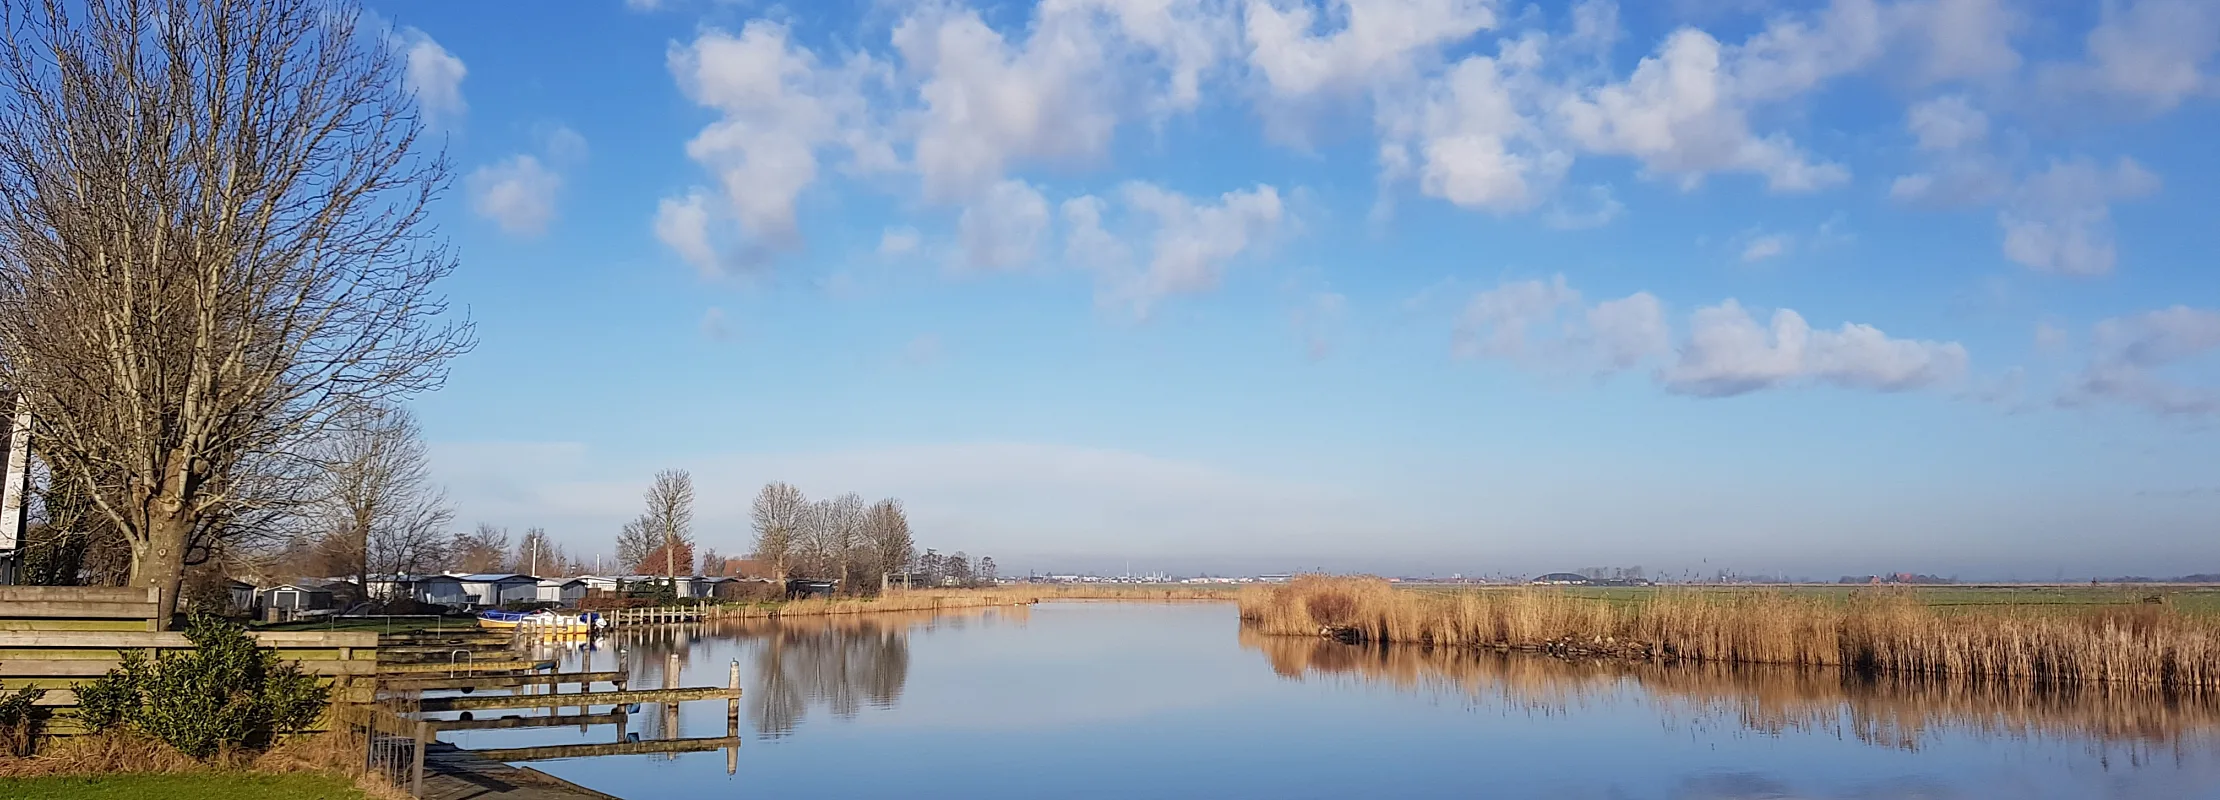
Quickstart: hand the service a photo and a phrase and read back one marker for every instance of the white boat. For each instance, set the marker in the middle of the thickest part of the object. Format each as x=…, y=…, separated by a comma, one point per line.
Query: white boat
x=542, y=621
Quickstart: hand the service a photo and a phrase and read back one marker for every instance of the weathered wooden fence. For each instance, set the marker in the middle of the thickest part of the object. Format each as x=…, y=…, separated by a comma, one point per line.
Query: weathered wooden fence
x=54, y=636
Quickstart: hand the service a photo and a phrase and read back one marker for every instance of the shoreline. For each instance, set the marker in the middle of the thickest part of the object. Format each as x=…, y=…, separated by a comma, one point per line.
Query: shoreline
x=1873, y=633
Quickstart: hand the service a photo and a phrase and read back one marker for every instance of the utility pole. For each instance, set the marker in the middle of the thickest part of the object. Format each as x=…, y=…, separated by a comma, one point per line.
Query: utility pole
x=18, y=483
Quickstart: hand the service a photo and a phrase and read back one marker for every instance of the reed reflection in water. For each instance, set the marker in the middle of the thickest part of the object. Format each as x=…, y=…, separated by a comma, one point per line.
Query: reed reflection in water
x=1889, y=712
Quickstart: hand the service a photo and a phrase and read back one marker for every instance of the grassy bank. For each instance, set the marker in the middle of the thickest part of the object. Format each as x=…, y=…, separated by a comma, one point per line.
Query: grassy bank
x=1870, y=632
x=194, y=786
x=327, y=766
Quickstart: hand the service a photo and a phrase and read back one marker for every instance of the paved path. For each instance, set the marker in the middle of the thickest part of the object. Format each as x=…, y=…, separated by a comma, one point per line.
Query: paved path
x=451, y=773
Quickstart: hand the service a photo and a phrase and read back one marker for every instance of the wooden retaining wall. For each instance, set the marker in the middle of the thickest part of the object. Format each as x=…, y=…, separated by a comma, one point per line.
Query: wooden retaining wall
x=54, y=636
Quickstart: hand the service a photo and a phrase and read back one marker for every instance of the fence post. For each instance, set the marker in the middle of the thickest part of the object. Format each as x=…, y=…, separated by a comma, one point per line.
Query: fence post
x=416, y=773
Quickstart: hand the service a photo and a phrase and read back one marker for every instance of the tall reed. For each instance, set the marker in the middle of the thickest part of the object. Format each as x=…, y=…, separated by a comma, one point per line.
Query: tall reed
x=1876, y=632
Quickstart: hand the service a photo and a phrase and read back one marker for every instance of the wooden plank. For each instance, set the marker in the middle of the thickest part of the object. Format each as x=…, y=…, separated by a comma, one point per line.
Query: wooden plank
x=498, y=681
x=579, y=699
x=616, y=749
x=81, y=594
x=140, y=640
x=461, y=667
x=72, y=625
x=544, y=721
x=85, y=667
x=74, y=609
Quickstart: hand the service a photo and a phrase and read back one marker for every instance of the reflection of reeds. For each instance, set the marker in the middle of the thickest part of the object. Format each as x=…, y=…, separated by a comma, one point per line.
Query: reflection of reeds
x=1887, y=710
x=1879, y=632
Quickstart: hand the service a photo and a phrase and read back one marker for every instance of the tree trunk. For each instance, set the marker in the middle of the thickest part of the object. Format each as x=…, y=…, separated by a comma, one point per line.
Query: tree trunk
x=159, y=562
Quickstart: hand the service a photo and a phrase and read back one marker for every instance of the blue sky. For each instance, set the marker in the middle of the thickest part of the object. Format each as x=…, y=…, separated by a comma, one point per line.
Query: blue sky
x=1396, y=285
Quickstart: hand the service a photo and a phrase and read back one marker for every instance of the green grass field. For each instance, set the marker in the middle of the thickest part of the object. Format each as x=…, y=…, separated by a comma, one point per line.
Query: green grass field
x=194, y=786
x=2191, y=599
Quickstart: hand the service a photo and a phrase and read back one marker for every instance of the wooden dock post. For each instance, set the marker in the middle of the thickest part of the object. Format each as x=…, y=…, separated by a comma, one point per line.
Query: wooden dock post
x=732, y=722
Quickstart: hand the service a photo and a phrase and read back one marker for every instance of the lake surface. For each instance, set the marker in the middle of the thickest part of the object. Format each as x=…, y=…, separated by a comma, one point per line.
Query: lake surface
x=1173, y=700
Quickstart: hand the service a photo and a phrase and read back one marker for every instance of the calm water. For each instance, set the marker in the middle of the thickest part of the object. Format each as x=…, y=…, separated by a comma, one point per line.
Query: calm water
x=1127, y=701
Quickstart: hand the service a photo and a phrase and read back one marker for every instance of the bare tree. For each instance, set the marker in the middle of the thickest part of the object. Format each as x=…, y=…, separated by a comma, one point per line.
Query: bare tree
x=779, y=514
x=538, y=555
x=712, y=564
x=213, y=236
x=670, y=516
x=887, y=536
x=843, y=532
x=376, y=504
x=635, y=541
x=483, y=550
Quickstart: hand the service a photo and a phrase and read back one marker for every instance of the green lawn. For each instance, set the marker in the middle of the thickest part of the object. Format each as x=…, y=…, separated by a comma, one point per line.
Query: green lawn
x=199, y=786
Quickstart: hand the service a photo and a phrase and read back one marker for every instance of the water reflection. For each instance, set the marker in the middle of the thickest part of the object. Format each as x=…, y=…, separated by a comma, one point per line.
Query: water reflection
x=790, y=666
x=1897, y=713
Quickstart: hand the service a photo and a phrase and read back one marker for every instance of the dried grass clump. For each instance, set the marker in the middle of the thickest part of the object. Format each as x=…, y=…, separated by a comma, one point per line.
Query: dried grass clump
x=127, y=751
x=1876, y=632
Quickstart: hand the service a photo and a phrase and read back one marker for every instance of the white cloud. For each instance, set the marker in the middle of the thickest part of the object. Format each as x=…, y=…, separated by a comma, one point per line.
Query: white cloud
x=898, y=241
x=643, y=5
x=987, y=103
x=1766, y=246
x=682, y=223
x=1727, y=353
x=2130, y=354
x=1600, y=209
x=1544, y=325
x=2060, y=220
x=1947, y=123
x=1681, y=113
x=1003, y=229
x=1189, y=243
x=518, y=194
x=779, y=109
x=2147, y=54
x=1475, y=146
x=1960, y=39
x=563, y=145
x=1629, y=330
x=433, y=74
x=1377, y=40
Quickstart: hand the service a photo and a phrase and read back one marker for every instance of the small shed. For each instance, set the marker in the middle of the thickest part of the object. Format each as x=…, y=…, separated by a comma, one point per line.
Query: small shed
x=241, y=596
x=297, y=596
x=560, y=591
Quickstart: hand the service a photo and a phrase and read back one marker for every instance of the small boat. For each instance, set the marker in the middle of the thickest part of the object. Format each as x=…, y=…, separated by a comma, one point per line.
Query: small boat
x=547, y=621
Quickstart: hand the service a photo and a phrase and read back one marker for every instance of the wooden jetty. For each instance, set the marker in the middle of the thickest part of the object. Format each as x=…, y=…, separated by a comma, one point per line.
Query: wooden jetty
x=529, y=721
x=612, y=749
x=578, y=699
x=509, y=681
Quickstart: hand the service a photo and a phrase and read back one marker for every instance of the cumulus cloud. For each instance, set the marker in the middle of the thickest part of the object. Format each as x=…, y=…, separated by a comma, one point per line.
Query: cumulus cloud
x=1765, y=246
x=1378, y=40
x=2060, y=220
x=517, y=193
x=433, y=74
x=1728, y=353
x=1545, y=325
x=1597, y=209
x=2130, y=355
x=1189, y=242
x=1947, y=123
x=2146, y=54
x=682, y=223
x=779, y=107
x=1003, y=229
x=1681, y=114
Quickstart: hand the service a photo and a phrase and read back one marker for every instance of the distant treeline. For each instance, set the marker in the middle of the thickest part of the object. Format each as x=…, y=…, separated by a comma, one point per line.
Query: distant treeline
x=2197, y=578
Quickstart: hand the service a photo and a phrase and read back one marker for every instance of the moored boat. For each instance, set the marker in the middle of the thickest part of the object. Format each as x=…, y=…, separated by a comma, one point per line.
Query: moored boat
x=541, y=621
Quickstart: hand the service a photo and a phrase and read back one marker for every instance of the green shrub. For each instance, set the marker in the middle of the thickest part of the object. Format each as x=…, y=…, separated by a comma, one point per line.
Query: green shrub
x=223, y=693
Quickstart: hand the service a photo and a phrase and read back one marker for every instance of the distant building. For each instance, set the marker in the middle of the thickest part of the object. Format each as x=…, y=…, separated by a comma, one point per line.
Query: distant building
x=1563, y=579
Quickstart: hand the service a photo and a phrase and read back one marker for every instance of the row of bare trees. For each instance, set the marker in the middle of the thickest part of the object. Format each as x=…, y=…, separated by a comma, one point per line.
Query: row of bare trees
x=840, y=537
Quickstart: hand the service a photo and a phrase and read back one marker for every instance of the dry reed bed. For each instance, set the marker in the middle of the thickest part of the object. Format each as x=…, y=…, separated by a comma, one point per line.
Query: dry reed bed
x=1889, y=711
x=1876, y=632
x=332, y=753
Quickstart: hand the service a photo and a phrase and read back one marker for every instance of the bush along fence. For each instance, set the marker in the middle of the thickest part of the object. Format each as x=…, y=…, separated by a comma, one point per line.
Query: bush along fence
x=61, y=643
